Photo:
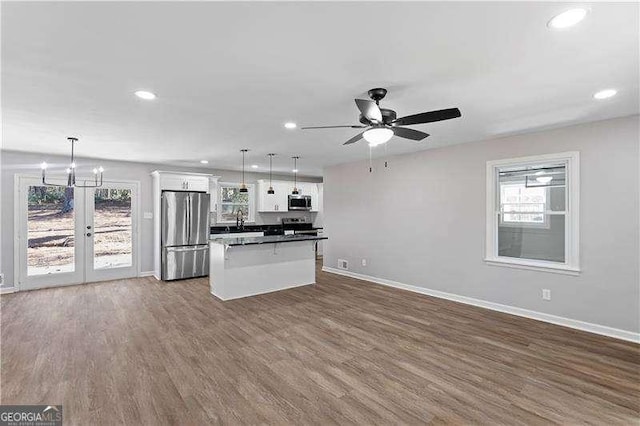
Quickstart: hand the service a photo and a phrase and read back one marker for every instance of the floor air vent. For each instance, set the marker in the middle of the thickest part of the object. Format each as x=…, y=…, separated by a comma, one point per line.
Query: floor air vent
x=343, y=264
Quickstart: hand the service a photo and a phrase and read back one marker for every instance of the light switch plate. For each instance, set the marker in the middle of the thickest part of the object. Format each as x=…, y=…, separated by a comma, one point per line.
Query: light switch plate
x=148, y=215
x=546, y=294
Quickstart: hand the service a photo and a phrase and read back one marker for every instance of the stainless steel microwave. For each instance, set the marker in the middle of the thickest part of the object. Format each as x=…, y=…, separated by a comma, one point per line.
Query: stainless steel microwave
x=300, y=202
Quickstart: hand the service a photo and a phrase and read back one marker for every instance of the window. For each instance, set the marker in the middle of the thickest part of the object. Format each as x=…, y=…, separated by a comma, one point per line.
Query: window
x=532, y=212
x=231, y=201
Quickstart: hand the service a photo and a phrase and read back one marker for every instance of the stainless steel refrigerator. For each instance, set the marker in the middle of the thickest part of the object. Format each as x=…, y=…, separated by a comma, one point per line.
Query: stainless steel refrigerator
x=185, y=235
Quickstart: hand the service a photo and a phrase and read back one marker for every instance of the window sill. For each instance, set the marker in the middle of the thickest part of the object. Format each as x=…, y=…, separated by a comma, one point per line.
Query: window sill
x=534, y=266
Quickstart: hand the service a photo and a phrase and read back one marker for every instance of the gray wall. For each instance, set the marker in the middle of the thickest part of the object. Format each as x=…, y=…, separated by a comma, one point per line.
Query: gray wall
x=422, y=222
x=24, y=163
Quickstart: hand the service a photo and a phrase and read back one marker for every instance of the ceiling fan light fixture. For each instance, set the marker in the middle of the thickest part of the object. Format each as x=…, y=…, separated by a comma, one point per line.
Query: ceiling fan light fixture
x=378, y=135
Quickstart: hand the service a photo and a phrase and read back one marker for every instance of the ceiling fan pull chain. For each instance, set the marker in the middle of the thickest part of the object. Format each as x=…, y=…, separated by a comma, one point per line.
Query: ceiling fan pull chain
x=370, y=161
x=386, y=155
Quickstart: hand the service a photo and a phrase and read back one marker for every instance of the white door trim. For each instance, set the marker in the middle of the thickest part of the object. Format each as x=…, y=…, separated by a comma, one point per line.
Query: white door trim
x=20, y=227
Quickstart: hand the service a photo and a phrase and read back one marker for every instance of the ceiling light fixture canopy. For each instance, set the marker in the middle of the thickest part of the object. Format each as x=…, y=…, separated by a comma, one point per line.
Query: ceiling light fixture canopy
x=71, y=172
x=243, y=186
x=270, y=190
x=605, y=94
x=290, y=125
x=568, y=18
x=378, y=135
x=295, y=176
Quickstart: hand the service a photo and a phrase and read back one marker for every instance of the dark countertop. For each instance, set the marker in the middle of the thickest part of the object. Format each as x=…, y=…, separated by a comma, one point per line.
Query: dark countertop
x=232, y=229
x=269, y=239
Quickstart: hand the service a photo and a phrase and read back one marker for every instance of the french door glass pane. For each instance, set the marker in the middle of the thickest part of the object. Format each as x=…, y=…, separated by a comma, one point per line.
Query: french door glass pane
x=50, y=230
x=112, y=245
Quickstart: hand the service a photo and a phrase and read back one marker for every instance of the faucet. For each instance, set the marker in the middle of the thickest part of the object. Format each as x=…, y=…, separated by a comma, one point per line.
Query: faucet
x=239, y=219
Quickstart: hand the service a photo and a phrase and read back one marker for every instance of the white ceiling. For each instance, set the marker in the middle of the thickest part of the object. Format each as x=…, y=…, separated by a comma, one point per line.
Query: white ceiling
x=228, y=75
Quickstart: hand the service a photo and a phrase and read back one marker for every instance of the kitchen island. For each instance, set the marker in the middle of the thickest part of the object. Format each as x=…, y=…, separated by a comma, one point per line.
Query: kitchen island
x=247, y=266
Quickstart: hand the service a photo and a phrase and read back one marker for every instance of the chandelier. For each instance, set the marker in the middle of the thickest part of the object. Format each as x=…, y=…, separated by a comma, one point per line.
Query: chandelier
x=71, y=173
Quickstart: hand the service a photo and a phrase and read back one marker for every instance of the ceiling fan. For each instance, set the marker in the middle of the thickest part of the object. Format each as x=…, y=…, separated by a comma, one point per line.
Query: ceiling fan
x=382, y=124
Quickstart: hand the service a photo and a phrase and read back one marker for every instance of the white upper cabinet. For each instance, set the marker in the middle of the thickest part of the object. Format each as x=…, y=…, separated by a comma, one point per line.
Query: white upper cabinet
x=170, y=181
x=174, y=181
x=279, y=201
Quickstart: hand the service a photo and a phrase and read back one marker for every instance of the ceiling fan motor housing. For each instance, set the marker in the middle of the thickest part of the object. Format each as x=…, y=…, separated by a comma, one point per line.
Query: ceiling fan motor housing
x=388, y=115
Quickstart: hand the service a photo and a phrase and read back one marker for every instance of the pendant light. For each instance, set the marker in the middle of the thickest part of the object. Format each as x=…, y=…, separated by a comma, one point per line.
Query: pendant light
x=71, y=172
x=243, y=187
x=295, y=176
x=270, y=190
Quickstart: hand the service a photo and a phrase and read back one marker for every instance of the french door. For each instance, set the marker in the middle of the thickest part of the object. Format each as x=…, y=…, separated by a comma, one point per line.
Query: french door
x=75, y=235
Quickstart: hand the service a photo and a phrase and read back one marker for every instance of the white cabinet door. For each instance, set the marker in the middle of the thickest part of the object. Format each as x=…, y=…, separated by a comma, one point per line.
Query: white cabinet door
x=266, y=202
x=178, y=182
x=282, y=195
x=172, y=182
x=197, y=183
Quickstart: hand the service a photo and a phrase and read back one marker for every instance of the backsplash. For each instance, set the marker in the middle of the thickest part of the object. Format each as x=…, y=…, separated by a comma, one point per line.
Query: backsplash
x=272, y=218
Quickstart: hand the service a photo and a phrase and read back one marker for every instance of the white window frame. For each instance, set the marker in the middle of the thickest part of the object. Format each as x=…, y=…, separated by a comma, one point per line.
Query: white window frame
x=571, y=265
x=251, y=217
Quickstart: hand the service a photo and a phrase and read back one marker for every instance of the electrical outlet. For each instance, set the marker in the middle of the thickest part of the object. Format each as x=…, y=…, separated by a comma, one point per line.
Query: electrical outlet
x=1, y=279
x=364, y=262
x=546, y=294
x=343, y=264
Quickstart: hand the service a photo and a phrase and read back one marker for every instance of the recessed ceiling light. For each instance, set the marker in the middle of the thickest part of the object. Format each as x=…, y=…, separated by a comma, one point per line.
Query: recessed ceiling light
x=290, y=125
x=254, y=166
x=204, y=161
x=567, y=19
x=605, y=94
x=143, y=94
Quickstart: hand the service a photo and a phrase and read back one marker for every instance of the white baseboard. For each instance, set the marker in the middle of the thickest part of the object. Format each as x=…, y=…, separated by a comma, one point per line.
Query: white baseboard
x=8, y=290
x=146, y=274
x=540, y=316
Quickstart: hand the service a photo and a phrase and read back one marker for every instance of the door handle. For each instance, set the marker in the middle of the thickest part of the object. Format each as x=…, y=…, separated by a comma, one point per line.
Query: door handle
x=88, y=234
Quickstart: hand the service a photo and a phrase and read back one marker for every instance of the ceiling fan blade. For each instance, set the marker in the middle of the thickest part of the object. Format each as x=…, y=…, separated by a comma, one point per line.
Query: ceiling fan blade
x=332, y=127
x=428, y=117
x=369, y=110
x=406, y=133
x=354, y=139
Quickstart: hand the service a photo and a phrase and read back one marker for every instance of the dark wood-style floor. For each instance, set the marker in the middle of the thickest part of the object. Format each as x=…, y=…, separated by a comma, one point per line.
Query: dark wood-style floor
x=340, y=352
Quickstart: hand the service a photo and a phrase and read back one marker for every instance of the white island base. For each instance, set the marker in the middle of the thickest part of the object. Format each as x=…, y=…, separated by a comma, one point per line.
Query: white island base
x=246, y=270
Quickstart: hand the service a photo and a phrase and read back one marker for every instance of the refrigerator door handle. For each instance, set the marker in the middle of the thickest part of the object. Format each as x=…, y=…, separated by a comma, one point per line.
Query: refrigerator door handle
x=188, y=213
